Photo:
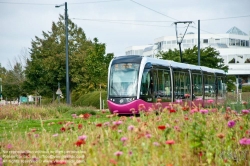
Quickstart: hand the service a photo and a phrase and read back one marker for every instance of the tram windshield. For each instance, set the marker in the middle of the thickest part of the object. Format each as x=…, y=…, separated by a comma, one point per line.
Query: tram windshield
x=123, y=79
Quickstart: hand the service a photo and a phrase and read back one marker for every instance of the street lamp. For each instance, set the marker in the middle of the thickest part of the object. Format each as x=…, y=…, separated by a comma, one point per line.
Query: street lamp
x=67, y=54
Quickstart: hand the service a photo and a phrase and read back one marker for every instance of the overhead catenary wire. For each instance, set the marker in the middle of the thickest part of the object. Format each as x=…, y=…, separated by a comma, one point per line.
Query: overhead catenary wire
x=28, y=3
x=115, y=22
x=120, y=21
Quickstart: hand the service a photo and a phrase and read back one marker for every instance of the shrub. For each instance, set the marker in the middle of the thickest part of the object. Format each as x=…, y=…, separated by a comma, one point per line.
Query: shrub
x=246, y=88
x=91, y=99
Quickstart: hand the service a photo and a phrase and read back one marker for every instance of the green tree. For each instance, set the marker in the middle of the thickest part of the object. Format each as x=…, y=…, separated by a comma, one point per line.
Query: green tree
x=47, y=64
x=96, y=65
x=87, y=61
x=2, y=77
x=13, y=82
x=209, y=57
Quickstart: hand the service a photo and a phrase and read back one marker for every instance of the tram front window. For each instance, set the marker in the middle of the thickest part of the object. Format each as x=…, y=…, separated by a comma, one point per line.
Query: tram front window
x=123, y=79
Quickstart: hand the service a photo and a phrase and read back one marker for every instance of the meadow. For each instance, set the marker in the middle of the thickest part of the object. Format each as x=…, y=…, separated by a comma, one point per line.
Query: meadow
x=172, y=136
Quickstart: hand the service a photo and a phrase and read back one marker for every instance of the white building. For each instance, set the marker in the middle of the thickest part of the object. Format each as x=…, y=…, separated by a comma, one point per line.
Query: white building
x=233, y=47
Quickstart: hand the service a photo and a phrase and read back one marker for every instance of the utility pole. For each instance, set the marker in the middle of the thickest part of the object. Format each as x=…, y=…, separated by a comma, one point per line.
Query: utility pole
x=67, y=52
x=180, y=38
x=199, y=40
x=1, y=97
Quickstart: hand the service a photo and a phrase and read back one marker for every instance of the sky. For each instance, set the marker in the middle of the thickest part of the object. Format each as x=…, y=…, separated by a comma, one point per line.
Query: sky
x=117, y=23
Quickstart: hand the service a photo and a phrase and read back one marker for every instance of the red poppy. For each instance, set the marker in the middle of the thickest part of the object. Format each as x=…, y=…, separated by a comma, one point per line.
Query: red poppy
x=98, y=125
x=86, y=116
x=162, y=127
x=113, y=161
x=63, y=129
x=79, y=126
x=185, y=108
x=170, y=142
x=60, y=123
x=172, y=110
x=80, y=142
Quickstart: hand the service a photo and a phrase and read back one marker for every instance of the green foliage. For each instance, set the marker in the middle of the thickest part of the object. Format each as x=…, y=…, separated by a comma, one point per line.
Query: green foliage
x=92, y=99
x=246, y=88
x=209, y=57
x=88, y=63
x=230, y=83
x=13, y=82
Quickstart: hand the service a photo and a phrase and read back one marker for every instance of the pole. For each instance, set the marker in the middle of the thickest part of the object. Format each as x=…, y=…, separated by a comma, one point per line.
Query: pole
x=1, y=97
x=67, y=55
x=100, y=97
x=180, y=52
x=199, y=52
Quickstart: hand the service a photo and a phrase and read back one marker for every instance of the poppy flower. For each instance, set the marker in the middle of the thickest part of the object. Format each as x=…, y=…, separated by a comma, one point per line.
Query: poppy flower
x=79, y=126
x=80, y=142
x=170, y=142
x=86, y=116
x=172, y=110
x=98, y=125
x=185, y=108
x=112, y=161
x=220, y=135
x=161, y=127
x=63, y=129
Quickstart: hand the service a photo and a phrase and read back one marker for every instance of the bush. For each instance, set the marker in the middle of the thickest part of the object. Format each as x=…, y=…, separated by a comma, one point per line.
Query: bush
x=92, y=99
x=246, y=88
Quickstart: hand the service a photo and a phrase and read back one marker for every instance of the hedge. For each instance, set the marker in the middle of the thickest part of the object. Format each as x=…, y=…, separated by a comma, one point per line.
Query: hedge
x=92, y=99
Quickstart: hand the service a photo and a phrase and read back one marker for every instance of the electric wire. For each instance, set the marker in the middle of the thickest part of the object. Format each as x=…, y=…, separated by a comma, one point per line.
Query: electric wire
x=114, y=21
x=24, y=3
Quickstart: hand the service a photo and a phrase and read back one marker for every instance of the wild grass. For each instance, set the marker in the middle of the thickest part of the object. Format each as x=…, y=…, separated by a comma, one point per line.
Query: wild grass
x=218, y=135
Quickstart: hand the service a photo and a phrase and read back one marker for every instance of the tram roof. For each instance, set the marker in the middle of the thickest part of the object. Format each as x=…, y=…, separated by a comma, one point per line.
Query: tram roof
x=173, y=64
x=183, y=65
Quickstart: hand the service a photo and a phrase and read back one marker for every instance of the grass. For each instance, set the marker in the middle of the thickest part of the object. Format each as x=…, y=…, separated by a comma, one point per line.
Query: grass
x=53, y=136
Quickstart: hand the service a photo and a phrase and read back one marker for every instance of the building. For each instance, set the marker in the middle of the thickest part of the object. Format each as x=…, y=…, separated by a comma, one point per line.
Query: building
x=233, y=47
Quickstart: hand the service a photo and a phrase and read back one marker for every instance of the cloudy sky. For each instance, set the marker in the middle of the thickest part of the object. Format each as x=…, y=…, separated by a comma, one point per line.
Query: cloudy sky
x=117, y=23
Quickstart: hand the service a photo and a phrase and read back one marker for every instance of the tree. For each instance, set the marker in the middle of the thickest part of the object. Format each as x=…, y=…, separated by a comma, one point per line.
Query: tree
x=46, y=68
x=2, y=77
x=47, y=64
x=209, y=57
x=13, y=82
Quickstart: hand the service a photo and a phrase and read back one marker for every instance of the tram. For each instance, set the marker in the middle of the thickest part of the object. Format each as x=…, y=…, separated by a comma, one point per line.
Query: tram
x=135, y=80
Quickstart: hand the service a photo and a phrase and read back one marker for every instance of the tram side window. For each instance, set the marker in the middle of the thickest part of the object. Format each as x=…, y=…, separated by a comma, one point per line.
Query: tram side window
x=167, y=82
x=209, y=83
x=182, y=84
x=221, y=87
x=197, y=85
x=163, y=83
x=145, y=83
